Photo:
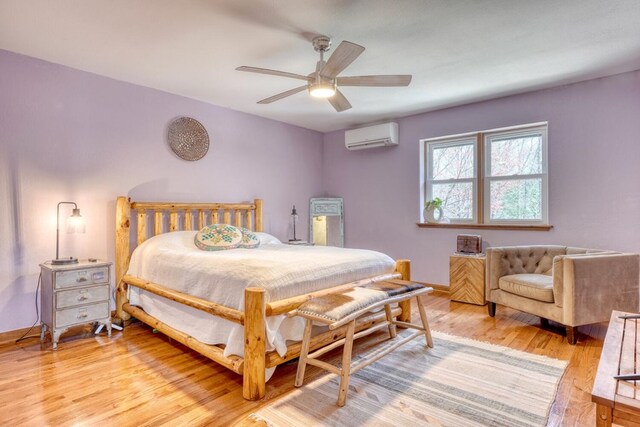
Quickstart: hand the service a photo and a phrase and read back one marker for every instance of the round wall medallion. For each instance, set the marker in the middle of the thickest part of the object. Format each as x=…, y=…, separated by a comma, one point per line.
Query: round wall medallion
x=188, y=138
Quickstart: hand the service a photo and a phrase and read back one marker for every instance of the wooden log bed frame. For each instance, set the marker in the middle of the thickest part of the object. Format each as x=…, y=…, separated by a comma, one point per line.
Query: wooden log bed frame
x=182, y=216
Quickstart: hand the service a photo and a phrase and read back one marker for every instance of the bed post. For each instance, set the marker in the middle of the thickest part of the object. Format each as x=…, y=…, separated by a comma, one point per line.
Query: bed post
x=123, y=216
x=403, y=266
x=259, y=225
x=253, y=379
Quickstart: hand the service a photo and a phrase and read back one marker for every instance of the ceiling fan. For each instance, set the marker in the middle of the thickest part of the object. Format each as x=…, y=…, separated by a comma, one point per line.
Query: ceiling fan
x=324, y=81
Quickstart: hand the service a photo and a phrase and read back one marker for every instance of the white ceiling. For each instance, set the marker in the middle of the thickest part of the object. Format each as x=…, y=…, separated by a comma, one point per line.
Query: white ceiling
x=458, y=51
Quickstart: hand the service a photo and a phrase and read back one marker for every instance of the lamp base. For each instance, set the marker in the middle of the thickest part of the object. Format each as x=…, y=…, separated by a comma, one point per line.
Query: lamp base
x=64, y=261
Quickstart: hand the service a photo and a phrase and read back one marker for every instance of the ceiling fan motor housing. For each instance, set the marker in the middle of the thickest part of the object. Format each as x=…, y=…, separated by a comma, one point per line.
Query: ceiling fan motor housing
x=321, y=43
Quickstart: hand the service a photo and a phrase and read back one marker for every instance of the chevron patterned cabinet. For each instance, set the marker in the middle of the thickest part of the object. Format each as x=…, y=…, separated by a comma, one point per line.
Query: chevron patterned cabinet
x=466, y=278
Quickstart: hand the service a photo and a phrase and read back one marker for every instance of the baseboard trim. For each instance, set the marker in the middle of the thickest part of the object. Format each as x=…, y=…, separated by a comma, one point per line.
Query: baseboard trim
x=11, y=336
x=436, y=287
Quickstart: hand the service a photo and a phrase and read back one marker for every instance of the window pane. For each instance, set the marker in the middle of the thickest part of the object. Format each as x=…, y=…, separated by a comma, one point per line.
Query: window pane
x=457, y=199
x=453, y=162
x=518, y=199
x=516, y=156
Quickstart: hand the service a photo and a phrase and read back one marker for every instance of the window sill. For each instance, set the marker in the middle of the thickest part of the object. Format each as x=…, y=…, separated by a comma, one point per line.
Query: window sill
x=487, y=226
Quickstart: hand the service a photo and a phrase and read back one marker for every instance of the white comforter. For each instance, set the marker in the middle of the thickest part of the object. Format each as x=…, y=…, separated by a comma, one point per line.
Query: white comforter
x=172, y=260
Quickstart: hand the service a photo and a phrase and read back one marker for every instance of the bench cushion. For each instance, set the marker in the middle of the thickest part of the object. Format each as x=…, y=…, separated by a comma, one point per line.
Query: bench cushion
x=335, y=307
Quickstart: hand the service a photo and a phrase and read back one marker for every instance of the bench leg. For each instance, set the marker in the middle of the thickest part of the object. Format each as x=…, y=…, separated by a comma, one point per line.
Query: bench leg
x=425, y=323
x=304, y=352
x=392, y=327
x=345, y=372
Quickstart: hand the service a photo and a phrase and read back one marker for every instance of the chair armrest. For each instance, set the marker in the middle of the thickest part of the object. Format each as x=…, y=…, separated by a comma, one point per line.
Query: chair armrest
x=494, y=268
x=594, y=285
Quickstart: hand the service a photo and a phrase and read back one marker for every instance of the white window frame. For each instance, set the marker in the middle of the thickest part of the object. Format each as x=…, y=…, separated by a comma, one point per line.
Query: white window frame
x=487, y=179
x=470, y=139
x=482, y=167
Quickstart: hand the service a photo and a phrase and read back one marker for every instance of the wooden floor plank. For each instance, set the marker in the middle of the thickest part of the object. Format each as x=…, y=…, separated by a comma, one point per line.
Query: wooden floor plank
x=138, y=378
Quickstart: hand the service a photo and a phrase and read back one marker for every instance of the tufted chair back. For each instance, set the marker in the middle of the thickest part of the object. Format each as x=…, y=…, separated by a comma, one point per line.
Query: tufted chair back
x=506, y=260
x=530, y=259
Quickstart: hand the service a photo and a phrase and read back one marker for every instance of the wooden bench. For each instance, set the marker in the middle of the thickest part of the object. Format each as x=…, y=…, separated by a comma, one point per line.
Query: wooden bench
x=344, y=308
x=618, y=401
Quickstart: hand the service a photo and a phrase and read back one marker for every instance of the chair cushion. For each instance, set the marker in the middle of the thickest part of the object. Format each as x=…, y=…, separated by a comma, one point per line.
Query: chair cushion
x=534, y=286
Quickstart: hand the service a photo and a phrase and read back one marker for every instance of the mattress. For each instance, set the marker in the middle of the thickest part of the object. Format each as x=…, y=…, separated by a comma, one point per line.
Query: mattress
x=172, y=260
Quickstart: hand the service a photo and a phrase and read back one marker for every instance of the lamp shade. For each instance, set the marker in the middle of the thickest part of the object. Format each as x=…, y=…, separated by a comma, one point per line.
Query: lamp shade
x=76, y=223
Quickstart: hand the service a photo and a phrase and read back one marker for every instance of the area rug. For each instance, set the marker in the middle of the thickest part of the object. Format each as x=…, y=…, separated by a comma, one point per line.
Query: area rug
x=459, y=382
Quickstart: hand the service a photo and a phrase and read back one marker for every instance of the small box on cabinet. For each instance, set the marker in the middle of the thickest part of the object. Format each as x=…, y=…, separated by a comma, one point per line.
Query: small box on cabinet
x=469, y=244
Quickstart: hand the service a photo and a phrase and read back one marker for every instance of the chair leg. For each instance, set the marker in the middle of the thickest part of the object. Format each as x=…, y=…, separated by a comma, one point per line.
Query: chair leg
x=492, y=309
x=425, y=323
x=392, y=327
x=304, y=352
x=345, y=372
x=572, y=334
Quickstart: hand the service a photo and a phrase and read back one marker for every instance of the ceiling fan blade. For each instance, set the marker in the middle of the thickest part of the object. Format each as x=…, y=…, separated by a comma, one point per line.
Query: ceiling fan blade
x=344, y=55
x=282, y=95
x=339, y=102
x=273, y=72
x=381, y=81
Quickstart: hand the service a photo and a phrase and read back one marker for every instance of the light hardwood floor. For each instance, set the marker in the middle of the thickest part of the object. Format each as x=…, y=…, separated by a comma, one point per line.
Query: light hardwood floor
x=140, y=378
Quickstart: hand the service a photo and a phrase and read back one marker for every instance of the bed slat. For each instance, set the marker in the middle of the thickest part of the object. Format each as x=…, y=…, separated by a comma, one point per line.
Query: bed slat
x=201, y=219
x=237, y=218
x=173, y=221
x=142, y=226
x=226, y=217
x=214, y=216
x=247, y=220
x=188, y=220
x=158, y=226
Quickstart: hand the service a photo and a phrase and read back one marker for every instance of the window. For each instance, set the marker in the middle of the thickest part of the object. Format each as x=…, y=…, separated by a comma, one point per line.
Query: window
x=452, y=177
x=494, y=177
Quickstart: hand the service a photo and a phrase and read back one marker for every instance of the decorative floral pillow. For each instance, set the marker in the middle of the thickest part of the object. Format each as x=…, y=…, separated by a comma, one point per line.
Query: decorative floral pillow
x=218, y=237
x=249, y=239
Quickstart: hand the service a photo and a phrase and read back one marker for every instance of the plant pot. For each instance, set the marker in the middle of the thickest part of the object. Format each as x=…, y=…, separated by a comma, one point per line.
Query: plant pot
x=433, y=215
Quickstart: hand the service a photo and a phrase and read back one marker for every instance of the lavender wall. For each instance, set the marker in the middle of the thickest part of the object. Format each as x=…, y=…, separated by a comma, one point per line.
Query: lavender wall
x=594, y=174
x=71, y=135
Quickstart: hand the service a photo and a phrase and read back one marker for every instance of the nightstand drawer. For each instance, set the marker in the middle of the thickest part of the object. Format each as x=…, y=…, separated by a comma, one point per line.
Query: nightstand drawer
x=89, y=276
x=84, y=314
x=82, y=296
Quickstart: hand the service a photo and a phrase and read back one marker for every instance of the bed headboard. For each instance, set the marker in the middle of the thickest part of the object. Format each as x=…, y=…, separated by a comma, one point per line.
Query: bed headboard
x=178, y=216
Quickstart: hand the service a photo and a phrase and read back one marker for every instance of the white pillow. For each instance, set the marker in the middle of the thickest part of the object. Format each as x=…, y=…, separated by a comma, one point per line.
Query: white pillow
x=267, y=239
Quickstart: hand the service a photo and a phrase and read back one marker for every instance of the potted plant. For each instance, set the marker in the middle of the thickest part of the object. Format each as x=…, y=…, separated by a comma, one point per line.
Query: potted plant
x=433, y=210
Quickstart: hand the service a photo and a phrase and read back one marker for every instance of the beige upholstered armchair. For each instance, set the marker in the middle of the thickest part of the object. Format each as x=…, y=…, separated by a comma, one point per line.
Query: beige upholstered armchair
x=571, y=286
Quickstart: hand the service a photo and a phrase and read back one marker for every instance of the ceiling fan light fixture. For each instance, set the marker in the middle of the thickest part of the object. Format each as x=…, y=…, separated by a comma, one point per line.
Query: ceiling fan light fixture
x=322, y=90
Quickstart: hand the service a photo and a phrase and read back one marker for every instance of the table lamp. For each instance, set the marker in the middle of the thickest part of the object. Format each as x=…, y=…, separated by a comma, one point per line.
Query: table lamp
x=75, y=224
x=294, y=220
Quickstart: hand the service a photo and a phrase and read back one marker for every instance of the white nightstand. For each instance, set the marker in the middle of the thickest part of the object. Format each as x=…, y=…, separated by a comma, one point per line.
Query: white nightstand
x=74, y=294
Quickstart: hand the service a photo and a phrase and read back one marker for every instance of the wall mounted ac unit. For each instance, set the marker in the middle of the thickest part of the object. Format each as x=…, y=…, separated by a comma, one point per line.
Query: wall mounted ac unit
x=385, y=134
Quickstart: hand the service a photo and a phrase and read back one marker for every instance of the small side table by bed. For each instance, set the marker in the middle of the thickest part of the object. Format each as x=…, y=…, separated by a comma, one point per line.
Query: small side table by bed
x=74, y=294
x=466, y=278
x=618, y=401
